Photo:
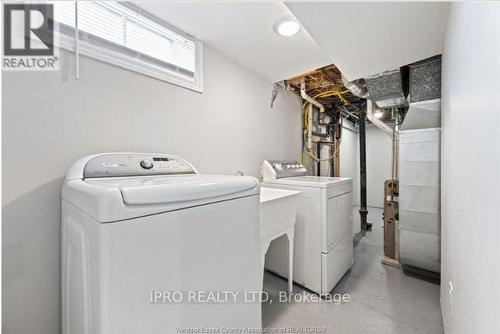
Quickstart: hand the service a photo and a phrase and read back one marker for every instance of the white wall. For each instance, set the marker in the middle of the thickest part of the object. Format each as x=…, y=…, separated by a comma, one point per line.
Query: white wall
x=378, y=164
x=378, y=161
x=470, y=170
x=50, y=120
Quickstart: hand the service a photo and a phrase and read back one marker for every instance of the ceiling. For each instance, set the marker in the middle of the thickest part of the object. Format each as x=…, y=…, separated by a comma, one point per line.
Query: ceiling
x=366, y=38
x=243, y=31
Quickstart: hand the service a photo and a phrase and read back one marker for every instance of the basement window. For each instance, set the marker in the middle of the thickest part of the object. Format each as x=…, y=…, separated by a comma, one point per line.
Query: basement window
x=124, y=35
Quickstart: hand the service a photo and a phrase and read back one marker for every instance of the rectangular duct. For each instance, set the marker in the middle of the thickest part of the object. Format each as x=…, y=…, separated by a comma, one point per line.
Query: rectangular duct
x=386, y=89
x=425, y=80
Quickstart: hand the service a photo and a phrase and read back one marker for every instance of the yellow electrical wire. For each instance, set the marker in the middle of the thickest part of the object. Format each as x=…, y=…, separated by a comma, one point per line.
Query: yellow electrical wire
x=306, y=127
x=342, y=98
x=331, y=93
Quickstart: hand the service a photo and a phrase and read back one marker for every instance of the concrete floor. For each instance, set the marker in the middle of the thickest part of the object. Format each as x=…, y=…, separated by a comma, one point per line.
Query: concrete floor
x=383, y=299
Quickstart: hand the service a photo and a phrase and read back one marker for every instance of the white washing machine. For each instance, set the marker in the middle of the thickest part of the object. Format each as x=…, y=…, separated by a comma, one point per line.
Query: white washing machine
x=136, y=225
x=323, y=249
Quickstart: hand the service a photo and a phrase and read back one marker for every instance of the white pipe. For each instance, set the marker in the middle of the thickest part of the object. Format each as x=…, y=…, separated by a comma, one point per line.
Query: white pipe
x=310, y=99
x=370, y=113
x=310, y=118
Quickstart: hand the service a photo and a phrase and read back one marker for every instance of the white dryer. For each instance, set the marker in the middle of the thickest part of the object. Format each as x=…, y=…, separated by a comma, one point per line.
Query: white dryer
x=138, y=224
x=323, y=250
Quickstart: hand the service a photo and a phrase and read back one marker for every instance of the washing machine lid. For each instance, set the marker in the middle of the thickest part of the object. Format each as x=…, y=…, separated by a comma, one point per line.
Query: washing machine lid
x=117, y=199
x=312, y=181
x=167, y=190
x=113, y=187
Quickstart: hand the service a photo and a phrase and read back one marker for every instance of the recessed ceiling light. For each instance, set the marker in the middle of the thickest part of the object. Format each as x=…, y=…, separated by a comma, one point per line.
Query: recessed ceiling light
x=379, y=114
x=287, y=26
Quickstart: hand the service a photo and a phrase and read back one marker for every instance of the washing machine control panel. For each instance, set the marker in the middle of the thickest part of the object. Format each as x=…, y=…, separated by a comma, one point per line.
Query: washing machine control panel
x=122, y=164
x=276, y=169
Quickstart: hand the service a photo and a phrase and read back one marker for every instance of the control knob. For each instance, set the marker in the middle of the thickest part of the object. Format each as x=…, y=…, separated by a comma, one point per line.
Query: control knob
x=146, y=164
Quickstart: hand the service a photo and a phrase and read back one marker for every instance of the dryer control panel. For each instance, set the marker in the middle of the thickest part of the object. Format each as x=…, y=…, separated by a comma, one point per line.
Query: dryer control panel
x=276, y=169
x=136, y=164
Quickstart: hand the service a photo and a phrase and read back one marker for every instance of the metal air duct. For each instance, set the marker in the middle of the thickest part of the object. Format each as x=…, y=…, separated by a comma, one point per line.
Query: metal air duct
x=355, y=88
x=386, y=89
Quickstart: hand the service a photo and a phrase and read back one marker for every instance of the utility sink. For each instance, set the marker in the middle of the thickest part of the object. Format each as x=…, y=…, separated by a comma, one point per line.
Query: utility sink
x=278, y=210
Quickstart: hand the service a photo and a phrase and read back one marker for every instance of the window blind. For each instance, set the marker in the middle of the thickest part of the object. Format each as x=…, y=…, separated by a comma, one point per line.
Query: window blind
x=131, y=32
